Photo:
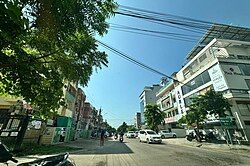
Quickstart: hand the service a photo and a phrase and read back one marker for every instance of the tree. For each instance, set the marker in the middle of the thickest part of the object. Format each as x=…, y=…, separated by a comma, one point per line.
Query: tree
x=43, y=43
x=211, y=103
x=122, y=128
x=153, y=116
x=215, y=104
x=131, y=128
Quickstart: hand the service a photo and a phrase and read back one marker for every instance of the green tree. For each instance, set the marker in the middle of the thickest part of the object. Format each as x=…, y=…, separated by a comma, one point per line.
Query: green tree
x=43, y=43
x=216, y=104
x=196, y=112
x=131, y=128
x=122, y=128
x=211, y=103
x=153, y=117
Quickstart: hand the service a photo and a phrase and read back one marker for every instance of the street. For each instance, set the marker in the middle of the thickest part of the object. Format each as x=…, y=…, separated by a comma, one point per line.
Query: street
x=131, y=152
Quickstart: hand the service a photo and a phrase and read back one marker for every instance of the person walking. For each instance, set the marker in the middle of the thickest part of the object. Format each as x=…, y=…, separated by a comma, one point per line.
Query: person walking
x=102, y=137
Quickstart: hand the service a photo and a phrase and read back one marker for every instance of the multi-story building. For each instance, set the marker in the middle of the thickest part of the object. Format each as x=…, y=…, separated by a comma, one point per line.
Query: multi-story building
x=137, y=120
x=148, y=96
x=87, y=115
x=167, y=103
x=220, y=61
x=79, y=120
x=66, y=113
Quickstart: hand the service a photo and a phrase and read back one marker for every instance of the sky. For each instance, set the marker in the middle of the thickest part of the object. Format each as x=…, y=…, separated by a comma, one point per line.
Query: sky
x=116, y=88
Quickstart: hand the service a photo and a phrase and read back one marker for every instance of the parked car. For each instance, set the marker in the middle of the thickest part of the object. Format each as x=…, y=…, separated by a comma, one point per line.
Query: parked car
x=167, y=134
x=149, y=136
x=130, y=134
x=136, y=134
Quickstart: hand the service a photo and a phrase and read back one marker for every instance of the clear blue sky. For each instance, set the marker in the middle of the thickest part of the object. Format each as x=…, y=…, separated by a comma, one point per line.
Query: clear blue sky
x=116, y=89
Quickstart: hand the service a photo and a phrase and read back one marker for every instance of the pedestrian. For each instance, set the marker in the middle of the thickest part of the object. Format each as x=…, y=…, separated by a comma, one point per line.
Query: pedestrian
x=102, y=137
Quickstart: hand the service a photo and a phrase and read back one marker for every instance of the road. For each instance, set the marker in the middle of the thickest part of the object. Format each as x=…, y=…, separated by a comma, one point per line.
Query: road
x=131, y=152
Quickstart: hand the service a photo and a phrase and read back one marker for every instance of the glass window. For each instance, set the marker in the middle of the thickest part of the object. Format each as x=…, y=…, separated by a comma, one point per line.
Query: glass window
x=196, y=82
x=205, y=76
x=245, y=68
x=151, y=132
x=248, y=83
x=244, y=109
x=203, y=57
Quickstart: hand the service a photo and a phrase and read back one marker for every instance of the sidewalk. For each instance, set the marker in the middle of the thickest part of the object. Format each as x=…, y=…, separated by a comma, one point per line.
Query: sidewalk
x=88, y=146
x=206, y=145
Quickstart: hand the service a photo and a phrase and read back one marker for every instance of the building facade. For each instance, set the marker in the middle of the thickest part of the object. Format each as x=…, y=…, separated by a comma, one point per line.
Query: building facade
x=220, y=61
x=137, y=120
x=148, y=96
x=167, y=103
x=79, y=120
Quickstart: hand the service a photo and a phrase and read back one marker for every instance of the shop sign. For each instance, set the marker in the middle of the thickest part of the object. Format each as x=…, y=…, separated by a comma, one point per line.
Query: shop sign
x=217, y=78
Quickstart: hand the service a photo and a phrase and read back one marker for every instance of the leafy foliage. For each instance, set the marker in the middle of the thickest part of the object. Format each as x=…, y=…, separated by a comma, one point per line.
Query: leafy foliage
x=43, y=43
x=196, y=113
x=122, y=128
x=211, y=103
x=153, y=117
x=215, y=104
x=131, y=128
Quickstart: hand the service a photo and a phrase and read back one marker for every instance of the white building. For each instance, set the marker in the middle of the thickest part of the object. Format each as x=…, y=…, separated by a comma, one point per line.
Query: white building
x=167, y=102
x=148, y=96
x=221, y=61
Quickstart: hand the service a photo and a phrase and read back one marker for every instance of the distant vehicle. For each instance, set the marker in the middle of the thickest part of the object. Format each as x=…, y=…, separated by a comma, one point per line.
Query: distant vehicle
x=106, y=134
x=167, y=134
x=149, y=136
x=130, y=134
x=136, y=133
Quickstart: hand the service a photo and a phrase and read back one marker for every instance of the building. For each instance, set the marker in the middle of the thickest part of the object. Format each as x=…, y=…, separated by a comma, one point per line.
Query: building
x=79, y=111
x=148, y=96
x=167, y=102
x=87, y=115
x=220, y=61
x=137, y=120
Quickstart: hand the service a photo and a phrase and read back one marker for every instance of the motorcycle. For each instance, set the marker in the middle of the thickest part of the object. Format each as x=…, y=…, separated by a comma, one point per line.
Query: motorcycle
x=121, y=139
x=115, y=136
x=57, y=160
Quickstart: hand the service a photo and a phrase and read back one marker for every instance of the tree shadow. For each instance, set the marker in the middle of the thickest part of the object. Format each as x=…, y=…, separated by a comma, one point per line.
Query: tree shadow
x=113, y=147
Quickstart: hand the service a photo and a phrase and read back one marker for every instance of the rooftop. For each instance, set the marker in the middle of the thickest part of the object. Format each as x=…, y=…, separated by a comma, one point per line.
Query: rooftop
x=221, y=32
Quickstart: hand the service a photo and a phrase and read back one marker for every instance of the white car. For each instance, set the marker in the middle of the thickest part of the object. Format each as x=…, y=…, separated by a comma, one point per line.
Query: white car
x=149, y=136
x=167, y=134
x=130, y=134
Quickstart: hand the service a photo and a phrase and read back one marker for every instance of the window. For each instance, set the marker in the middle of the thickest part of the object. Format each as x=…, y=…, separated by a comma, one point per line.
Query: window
x=244, y=57
x=142, y=132
x=188, y=100
x=176, y=112
x=231, y=56
x=245, y=68
x=196, y=82
x=248, y=83
x=244, y=109
x=203, y=57
x=247, y=122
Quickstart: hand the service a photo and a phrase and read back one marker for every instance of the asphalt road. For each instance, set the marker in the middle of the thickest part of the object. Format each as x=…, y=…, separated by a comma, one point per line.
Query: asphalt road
x=132, y=152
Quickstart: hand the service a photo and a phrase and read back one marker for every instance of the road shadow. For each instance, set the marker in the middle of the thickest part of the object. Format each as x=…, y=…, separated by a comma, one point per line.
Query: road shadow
x=111, y=147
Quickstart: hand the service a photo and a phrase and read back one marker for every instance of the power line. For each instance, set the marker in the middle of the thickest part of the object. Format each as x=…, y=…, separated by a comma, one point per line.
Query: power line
x=175, y=21
x=130, y=59
x=155, y=33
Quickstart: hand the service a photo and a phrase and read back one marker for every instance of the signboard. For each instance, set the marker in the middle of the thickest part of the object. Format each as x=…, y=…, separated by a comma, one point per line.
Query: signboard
x=226, y=122
x=217, y=78
x=180, y=100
